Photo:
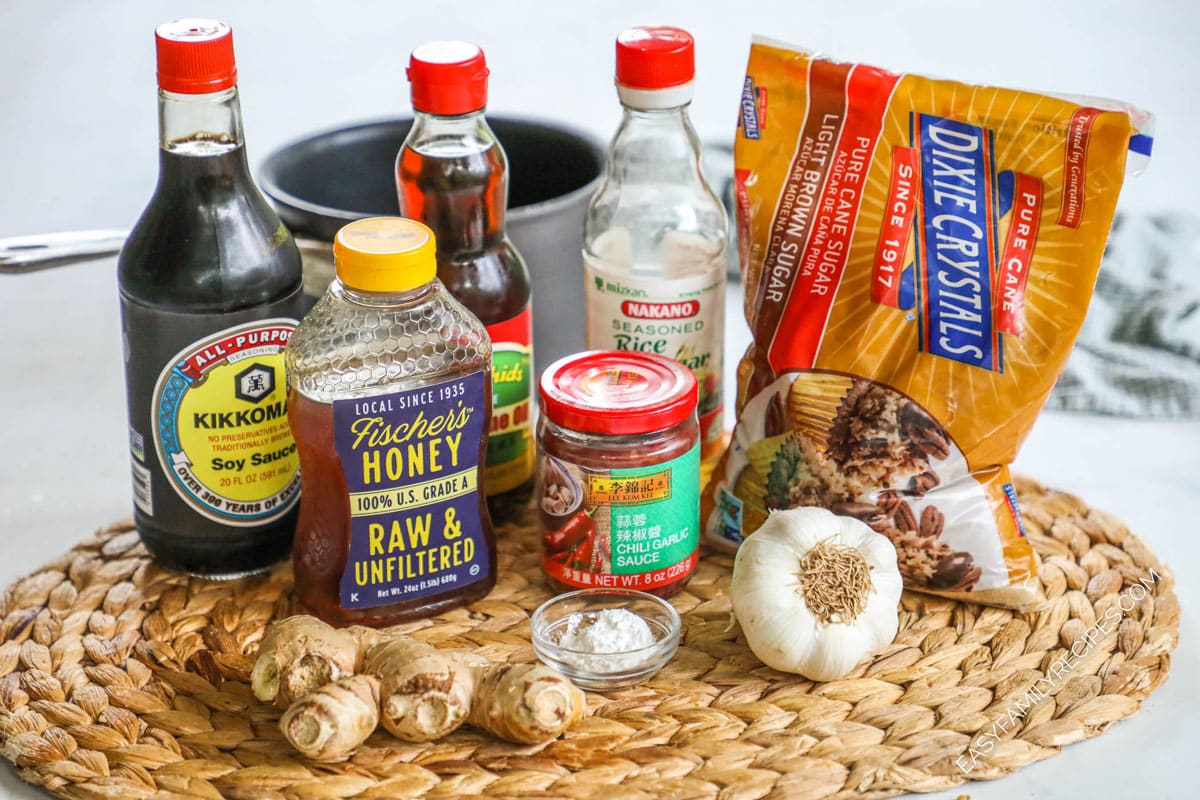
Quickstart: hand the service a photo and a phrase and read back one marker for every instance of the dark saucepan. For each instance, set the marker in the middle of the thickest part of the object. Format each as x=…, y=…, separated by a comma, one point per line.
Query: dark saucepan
x=320, y=183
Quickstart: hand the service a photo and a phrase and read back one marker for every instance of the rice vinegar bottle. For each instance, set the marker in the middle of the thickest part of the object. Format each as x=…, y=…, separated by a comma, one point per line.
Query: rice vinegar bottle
x=390, y=399
x=655, y=233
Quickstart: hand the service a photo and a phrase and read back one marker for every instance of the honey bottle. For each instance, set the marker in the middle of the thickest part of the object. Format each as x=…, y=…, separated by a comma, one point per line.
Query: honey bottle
x=389, y=399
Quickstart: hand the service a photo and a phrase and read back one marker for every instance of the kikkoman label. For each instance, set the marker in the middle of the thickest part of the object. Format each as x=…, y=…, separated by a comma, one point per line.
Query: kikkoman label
x=411, y=461
x=511, y=452
x=220, y=425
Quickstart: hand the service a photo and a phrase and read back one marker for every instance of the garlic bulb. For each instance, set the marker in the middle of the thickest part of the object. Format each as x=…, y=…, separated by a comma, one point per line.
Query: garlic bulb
x=816, y=593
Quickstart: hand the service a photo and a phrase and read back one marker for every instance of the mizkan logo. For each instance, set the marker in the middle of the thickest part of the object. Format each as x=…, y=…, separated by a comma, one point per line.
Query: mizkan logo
x=636, y=310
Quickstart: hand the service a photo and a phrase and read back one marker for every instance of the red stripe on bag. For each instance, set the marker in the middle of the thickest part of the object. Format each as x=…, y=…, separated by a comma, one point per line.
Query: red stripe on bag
x=896, y=229
x=1018, y=254
x=1079, y=133
x=827, y=244
x=742, y=198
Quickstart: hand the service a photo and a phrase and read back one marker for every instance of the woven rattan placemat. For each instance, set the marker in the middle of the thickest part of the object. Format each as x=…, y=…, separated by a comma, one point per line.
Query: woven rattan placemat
x=119, y=679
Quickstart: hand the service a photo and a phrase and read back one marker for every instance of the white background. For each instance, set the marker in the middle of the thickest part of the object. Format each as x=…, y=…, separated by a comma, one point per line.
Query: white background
x=78, y=150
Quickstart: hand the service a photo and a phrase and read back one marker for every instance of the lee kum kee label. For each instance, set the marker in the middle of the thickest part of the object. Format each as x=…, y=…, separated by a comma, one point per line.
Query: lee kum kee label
x=411, y=461
x=644, y=523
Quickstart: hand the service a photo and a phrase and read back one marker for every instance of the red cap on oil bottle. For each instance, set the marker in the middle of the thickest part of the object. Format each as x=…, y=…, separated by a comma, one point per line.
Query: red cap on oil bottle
x=655, y=57
x=195, y=56
x=448, y=78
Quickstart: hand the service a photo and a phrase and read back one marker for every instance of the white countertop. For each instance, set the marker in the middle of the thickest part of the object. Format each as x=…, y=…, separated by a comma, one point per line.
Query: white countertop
x=77, y=150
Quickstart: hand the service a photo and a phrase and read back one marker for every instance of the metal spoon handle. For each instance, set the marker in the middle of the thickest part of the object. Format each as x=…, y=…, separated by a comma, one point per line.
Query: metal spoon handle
x=19, y=254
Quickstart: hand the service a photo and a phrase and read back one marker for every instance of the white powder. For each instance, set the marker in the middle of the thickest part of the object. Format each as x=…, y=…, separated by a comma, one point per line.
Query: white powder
x=607, y=635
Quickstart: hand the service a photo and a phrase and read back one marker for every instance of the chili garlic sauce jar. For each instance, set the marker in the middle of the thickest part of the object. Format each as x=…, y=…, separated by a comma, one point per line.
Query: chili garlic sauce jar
x=618, y=481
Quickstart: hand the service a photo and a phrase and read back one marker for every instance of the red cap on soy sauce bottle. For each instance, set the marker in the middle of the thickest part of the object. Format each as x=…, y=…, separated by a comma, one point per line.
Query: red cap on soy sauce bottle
x=195, y=56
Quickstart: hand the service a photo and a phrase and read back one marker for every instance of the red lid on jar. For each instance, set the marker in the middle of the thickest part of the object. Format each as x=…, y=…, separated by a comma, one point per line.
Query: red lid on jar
x=656, y=57
x=618, y=392
x=448, y=78
x=195, y=56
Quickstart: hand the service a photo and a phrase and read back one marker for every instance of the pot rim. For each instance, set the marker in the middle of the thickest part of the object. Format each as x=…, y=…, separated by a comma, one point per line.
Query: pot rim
x=272, y=163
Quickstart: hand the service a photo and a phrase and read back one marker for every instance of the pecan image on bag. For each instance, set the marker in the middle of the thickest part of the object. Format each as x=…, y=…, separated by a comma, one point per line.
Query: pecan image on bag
x=850, y=437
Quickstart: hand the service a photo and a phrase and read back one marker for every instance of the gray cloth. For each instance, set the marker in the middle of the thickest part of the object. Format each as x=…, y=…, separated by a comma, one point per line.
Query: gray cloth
x=1138, y=353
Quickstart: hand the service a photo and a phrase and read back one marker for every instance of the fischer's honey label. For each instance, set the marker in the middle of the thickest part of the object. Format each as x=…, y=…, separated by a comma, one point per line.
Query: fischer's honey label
x=411, y=462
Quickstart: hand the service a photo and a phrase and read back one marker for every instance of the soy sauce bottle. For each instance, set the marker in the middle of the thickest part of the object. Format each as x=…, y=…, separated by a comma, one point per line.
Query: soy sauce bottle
x=452, y=175
x=210, y=286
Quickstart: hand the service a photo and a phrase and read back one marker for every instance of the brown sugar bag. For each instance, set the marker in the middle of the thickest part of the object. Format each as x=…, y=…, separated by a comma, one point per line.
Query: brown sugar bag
x=918, y=257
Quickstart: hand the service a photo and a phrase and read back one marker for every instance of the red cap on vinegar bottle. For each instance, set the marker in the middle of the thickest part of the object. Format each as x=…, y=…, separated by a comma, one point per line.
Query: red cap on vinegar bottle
x=655, y=57
x=195, y=56
x=448, y=78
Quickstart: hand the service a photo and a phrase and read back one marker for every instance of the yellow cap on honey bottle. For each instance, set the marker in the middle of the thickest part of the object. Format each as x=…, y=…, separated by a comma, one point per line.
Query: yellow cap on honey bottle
x=385, y=254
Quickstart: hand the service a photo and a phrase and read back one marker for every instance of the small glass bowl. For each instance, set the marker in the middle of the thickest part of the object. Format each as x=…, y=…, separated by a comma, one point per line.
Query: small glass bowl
x=589, y=670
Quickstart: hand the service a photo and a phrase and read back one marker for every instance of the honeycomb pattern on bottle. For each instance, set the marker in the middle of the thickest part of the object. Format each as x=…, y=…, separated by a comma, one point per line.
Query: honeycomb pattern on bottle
x=364, y=347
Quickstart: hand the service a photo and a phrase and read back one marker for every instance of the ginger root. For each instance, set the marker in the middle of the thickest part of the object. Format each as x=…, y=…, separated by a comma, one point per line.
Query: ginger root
x=338, y=685
x=334, y=720
x=525, y=703
x=425, y=692
x=299, y=655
